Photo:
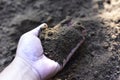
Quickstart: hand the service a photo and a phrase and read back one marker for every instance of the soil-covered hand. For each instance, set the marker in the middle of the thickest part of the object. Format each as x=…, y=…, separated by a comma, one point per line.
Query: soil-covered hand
x=31, y=51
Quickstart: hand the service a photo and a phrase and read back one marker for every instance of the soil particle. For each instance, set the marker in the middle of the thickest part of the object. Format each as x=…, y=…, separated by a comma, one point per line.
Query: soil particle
x=105, y=45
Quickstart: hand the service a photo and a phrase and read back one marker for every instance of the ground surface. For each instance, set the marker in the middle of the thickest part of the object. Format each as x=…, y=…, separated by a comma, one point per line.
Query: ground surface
x=97, y=59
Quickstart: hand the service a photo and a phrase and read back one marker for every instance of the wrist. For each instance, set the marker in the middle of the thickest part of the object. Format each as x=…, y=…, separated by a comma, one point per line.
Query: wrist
x=26, y=68
x=19, y=69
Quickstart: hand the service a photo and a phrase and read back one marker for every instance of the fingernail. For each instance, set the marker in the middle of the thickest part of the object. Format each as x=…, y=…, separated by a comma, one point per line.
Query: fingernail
x=45, y=25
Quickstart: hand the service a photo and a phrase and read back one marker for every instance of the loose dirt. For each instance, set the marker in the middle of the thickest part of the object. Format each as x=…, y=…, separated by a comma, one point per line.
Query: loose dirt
x=99, y=56
x=58, y=42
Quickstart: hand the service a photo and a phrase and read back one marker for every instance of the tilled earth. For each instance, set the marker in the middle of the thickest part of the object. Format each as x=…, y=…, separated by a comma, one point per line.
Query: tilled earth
x=99, y=56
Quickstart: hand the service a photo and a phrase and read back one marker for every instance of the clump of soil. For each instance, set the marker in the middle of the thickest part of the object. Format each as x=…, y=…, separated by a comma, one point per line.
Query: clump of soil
x=59, y=41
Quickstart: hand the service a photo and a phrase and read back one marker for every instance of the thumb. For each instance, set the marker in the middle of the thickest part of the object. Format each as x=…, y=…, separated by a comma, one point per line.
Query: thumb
x=37, y=29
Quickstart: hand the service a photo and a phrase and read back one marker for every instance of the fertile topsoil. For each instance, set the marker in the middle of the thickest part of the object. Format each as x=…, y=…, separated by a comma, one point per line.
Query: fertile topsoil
x=98, y=58
x=60, y=41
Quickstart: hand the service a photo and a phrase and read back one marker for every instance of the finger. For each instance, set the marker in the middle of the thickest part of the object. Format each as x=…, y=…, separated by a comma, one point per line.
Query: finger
x=36, y=30
x=50, y=67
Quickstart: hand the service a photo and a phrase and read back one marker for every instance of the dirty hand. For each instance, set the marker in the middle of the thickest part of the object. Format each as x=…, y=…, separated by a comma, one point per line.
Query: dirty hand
x=30, y=60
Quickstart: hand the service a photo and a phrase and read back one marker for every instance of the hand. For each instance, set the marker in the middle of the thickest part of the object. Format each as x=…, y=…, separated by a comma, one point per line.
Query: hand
x=30, y=63
x=31, y=51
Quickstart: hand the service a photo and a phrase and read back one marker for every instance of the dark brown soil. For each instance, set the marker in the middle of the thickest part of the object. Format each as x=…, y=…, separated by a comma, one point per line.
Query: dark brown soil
x=97, y=59
x=58, y=42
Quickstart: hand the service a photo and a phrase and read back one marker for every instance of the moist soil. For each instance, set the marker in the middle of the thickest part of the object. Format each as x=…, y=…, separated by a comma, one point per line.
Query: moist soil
x=98, y=58
x=58, y=42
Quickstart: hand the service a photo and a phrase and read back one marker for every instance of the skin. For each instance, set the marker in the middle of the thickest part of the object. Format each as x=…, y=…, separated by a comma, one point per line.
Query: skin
x=30, y=63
